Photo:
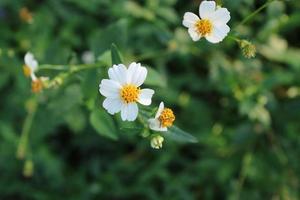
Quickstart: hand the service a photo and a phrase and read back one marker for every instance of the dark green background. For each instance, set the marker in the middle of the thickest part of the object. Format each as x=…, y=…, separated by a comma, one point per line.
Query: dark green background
x=244, y=112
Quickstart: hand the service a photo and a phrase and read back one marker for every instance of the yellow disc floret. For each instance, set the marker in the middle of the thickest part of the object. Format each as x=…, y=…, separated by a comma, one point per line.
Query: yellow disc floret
x=167, y=117
x=203, y=27
x=130, y=93
x=36, y=86
x=26, y=70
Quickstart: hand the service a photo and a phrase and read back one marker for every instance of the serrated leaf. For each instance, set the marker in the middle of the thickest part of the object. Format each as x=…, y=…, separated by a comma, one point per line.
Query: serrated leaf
x=115, y=55
x=103, y=123
x=179, y=135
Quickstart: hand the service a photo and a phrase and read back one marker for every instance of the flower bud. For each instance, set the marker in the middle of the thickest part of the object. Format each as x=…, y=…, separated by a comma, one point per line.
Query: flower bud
x=156, y=142
x=248, y=49
x=28, y=168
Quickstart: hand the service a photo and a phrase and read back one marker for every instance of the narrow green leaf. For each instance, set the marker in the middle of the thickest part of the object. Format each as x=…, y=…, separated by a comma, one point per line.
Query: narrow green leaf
x=179, y=135
x=115, y=55
x=103, y=123
x=132, y=130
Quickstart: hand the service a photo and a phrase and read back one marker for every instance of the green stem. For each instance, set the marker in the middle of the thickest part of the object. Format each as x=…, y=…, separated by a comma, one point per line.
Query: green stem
x=232, y=37
x=70, y=67
x=249, y=17
x=152, y=55
x=22, y=147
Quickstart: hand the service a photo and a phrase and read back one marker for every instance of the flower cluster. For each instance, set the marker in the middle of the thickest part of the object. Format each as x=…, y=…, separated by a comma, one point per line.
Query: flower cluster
x=122, y=92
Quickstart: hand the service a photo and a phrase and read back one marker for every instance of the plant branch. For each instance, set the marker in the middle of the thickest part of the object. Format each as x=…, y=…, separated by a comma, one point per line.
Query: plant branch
x=249, y=17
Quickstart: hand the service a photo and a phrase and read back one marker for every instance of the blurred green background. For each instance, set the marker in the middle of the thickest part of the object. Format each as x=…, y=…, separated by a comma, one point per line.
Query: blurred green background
x=245, y=113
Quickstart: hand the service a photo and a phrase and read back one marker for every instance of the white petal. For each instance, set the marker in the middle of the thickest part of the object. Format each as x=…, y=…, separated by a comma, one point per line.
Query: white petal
x=154, y=124
x=129, y=112
x=145, y=96
x=220, y=17
x=160, y=109
x=118, y=73
x=206, y=8
x=109, y=88
x=33, y=76
x=136, y=74
x=189, y=19
x=194, y=35
x=218, y=34
x=112, y=105
x=30, y=61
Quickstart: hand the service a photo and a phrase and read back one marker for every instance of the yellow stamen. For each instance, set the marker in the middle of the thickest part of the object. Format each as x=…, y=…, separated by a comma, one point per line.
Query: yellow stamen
x=36, y=86
x=26, y=70
x=130, y=93
x=167, y=117
x=203, y=27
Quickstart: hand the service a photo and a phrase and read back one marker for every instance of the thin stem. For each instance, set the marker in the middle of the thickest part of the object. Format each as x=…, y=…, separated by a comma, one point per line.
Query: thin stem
x=249, y=17
x=70, y=67
x=232, y=37
x=53, y=67
x=247, y=159
x=22, y=147
x=152, y=55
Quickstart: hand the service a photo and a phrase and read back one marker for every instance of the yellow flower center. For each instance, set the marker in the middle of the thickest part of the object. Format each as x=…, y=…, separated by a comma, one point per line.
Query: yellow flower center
x=167, y=117
x=203, y=27
x=36, y=86
x=26, y=70
x=130, y=93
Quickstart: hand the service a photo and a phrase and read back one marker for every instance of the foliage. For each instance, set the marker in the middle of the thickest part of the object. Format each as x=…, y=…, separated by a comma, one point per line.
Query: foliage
x=243, y=112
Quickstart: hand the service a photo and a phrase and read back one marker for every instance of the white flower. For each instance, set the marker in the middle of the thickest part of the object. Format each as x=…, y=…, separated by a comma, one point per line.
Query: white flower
x=211, y=24
x=163, y=119
x=30, y=66
x=156, y=142
x=122, y=90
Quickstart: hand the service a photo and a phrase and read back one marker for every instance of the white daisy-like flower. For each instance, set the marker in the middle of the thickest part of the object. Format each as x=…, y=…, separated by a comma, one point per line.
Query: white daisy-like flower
x=212, y=23
x=122, y=90
x=157, y=142
x=30, y=66
x=163, y=119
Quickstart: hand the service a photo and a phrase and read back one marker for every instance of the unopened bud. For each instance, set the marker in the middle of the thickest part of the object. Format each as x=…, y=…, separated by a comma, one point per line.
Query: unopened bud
x=157, y=142
x=28, y=168
x=248, y=49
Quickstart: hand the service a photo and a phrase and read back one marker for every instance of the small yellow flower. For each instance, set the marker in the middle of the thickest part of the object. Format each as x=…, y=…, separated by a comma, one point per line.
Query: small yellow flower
x=25, y=15
x=26, y=70
x=157, y=142
x=163, y=119
x=30, y=66
x=37, y=85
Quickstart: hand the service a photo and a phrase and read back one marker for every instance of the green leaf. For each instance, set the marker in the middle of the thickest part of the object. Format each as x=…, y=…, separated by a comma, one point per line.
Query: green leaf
x=115, y=55
x=155, y=79
x=132, y=129
x=103, y=124
x=179, y=135
x=101, y=39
